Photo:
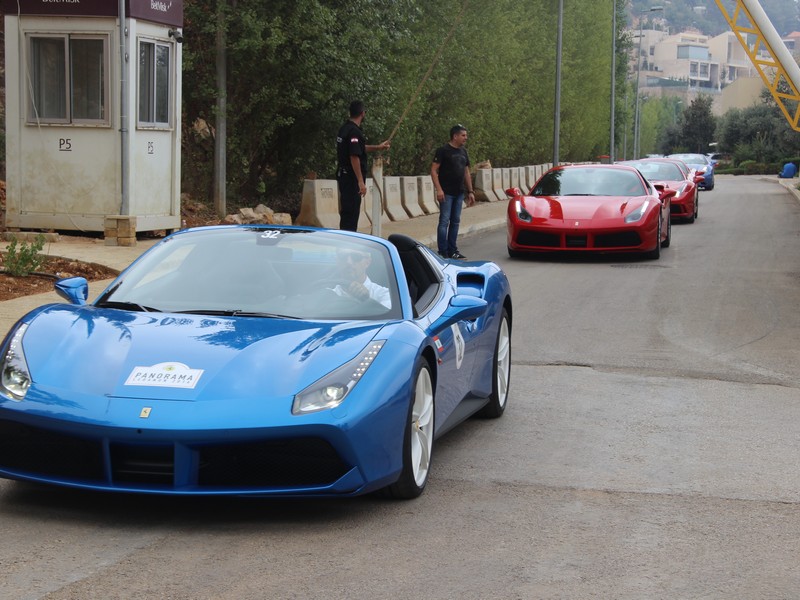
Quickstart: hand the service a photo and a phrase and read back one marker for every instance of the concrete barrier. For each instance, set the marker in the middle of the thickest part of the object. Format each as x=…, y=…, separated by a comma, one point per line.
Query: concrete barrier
x=530, y=176
x=393, y=199
x=483, y=186
x=410, y=197
x=366, y=205
x=497, y=184
x=320, y=200
x=427, y=195
x=506, y=178
x=319, y=205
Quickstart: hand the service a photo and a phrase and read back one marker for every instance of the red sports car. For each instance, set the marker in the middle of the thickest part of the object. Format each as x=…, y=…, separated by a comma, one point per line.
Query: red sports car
x=590, y=208
x=675, y=175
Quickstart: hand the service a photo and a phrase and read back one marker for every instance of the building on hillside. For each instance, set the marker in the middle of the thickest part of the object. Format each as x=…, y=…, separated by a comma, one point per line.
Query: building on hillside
x=690, y=63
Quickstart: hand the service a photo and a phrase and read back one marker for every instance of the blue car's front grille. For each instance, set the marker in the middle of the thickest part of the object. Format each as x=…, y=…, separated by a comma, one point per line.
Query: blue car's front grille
x=47, y=453
x=285, y=463
x=255, y=465
x=152, y=465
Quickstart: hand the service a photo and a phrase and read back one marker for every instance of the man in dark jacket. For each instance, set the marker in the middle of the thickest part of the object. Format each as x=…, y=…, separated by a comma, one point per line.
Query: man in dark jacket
x=351, y=173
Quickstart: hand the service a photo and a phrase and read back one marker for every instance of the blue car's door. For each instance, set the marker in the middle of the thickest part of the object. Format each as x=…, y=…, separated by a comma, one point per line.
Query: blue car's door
x=431, y=287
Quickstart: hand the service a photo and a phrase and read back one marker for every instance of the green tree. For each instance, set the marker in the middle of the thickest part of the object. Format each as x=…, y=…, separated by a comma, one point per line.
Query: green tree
x=293, y=69
x=294, y=66
x=698, y=125
x=759, y=133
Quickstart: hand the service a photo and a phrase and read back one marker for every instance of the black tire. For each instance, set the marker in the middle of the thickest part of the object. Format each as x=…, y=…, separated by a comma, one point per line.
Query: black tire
x=514, y=253
x=668, y=241
x=655, y=253
x=696, y=207
x=694, y=213
x=414, y=476
x=501, y=371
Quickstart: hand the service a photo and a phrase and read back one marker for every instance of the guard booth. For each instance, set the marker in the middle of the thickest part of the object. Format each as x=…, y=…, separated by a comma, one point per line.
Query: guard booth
x=93, y=113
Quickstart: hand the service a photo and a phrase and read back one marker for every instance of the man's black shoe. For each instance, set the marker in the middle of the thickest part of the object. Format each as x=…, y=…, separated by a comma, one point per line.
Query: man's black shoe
x=458, y=255
x=443, y=255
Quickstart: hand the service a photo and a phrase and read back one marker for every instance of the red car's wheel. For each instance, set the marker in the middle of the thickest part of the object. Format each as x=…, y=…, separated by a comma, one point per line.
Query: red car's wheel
x=655, y=253
x=693, y=216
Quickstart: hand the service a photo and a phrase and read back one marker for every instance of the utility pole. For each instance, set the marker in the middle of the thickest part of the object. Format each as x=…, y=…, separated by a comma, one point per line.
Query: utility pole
x=557, y=108
x=220, y=138
x=611, y=152
x=636, y=116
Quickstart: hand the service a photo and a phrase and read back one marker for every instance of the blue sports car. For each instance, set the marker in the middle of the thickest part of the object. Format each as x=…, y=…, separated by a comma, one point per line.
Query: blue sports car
x=256, y=360
x=702, y=164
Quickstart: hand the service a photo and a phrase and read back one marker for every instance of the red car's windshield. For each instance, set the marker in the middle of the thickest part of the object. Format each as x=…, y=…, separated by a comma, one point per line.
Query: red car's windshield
x=596, y=181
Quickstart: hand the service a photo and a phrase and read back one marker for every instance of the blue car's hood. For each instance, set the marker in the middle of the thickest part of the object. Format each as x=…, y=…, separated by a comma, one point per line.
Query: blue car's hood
x=86, y=350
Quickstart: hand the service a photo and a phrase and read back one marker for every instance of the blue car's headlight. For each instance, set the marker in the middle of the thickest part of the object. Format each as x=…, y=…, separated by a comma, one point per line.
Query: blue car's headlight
x=15, y=379
x=638, y=213
x=331, y=390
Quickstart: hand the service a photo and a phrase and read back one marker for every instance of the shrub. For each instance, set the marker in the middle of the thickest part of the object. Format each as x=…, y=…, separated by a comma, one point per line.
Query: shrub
x=746, y=163
x=23, y=258
x=754, y=168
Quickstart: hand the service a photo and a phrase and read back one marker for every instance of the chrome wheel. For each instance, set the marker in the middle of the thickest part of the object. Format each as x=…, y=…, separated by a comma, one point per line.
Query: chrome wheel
x=417, y=437
x=422, y=428
x=503, y=358
x=501, y=371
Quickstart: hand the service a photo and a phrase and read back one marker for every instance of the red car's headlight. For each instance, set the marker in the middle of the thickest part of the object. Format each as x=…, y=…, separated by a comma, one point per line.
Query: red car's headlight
x=522, y=213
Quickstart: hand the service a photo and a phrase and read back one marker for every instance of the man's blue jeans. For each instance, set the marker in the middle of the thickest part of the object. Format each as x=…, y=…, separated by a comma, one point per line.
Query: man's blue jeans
x=449, y=220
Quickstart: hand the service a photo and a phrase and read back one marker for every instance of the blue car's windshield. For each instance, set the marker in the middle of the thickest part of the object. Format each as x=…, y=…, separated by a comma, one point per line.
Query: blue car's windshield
x=254, y=271
x=658, y=171
x=691, y=159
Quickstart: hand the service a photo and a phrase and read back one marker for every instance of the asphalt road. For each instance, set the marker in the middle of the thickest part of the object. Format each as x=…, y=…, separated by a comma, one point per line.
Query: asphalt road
x=650, y=450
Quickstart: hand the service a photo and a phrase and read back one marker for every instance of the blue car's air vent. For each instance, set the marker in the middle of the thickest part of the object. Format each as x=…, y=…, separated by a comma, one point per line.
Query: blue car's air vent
x=297, y=462
x=153, y=465
x=42, y=452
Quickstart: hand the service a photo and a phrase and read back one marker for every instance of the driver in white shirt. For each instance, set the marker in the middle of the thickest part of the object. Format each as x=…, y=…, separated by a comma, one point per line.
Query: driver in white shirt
x=352, y=266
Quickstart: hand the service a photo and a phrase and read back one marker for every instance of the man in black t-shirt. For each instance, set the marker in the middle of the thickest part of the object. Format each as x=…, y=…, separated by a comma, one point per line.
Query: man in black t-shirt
x=450, y=174
x=351, y=171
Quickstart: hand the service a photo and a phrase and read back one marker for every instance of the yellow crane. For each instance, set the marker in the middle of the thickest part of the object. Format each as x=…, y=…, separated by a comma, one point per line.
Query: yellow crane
x=769, y=55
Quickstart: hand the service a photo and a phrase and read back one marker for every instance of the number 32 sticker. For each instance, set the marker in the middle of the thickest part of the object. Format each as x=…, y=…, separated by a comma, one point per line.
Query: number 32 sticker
x=458, y=340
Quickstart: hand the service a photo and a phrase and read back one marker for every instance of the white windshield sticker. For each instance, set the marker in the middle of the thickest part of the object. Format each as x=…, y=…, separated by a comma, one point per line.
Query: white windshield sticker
x=168, y=374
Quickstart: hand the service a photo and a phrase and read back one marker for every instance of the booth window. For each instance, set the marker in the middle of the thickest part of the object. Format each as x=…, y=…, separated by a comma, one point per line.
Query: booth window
x=154, y=89
x=68, y=79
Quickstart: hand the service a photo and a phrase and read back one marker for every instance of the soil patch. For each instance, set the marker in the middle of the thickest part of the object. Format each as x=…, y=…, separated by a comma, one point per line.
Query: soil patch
x=53, y=268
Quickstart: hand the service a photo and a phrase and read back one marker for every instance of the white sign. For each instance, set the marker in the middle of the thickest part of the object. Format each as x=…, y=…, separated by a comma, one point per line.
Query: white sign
x=168, y=374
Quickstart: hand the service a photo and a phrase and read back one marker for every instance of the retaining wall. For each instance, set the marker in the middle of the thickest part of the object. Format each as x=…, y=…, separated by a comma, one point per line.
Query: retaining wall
x=406, y=197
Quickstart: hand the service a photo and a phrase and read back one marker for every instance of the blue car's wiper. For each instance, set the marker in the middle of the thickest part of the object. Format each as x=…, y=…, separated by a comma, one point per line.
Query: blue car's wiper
x=235, y=313
x=249, y=313
x=126, y=306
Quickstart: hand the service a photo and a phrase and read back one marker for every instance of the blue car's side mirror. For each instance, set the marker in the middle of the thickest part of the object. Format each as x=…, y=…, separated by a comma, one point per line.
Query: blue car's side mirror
x=74, y=290
x=461, y=308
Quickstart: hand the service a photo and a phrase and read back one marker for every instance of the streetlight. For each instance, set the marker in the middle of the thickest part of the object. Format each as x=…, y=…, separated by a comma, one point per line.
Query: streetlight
x=612, y=153
x=638, y=69
x=557, y=107
x=675, y=112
